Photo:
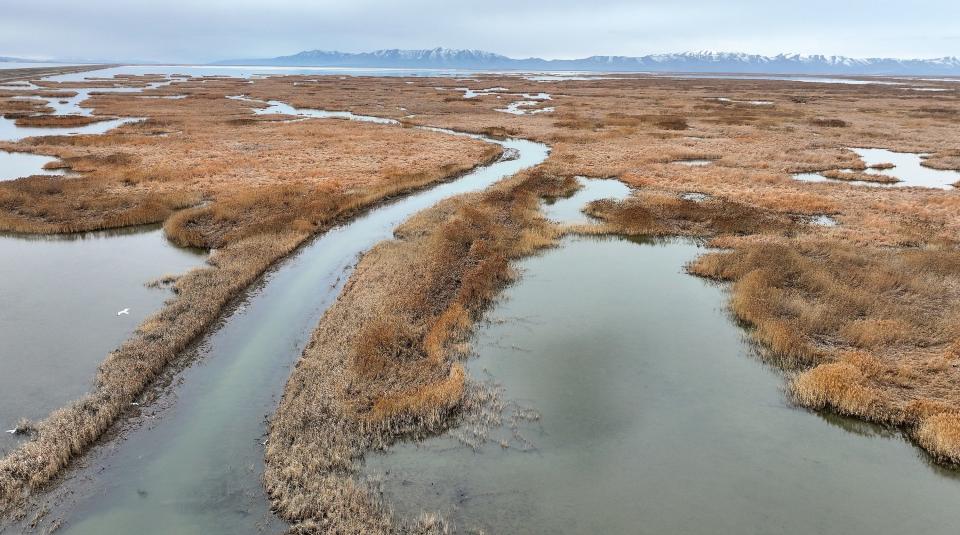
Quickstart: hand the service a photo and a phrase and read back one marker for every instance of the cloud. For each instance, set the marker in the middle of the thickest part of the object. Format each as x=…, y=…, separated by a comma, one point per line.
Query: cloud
x=191, y=31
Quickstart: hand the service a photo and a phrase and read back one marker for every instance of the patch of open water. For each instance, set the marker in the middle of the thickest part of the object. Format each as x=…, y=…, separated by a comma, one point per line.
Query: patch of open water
x=906, y=167
x=61, y=296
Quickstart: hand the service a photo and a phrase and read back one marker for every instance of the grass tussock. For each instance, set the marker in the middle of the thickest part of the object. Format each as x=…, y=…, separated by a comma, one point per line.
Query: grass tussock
x=59, y=121
x=829, y=122
x=383, y=362
x=661, y=214
x=860, y=176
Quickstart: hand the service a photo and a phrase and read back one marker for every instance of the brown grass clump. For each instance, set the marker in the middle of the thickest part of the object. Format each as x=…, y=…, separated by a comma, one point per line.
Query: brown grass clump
x=859, y=176
x=61, y=121
x=381, y=365
x=659, y=214
x=940, y=435
x=668, y=122
x=828, y=123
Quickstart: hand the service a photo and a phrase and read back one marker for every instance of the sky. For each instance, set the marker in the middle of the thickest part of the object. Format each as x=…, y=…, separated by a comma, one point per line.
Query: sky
x=195, y=31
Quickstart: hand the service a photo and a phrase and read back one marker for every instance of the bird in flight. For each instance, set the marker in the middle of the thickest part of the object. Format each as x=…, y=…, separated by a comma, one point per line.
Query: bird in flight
x=124, y=311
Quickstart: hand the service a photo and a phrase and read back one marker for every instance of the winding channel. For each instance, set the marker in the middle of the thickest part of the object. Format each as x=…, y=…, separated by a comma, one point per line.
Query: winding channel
x=192, y=461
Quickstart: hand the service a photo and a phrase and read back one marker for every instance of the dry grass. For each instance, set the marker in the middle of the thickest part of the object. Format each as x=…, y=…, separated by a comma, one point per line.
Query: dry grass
x=836, y=174
x=829, y=123
x=59, y=121
x=660, y=214
x=382, y=364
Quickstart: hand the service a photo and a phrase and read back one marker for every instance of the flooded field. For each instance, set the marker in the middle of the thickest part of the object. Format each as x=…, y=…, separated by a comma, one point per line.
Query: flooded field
x=61, y=297
x=652, y=415
x=633, y=403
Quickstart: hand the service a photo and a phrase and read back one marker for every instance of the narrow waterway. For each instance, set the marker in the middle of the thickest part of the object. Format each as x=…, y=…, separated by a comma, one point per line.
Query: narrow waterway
x=635, y=405
x=192, y=463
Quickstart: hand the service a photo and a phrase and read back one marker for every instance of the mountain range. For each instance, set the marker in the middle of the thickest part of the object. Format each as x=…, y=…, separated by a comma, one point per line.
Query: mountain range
x=703, y=61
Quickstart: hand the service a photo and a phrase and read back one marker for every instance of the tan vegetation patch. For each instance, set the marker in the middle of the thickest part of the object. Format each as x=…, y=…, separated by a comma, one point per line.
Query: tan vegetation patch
x=382, y=363
x=660, y=214
x=836, y=174
x=59, y=121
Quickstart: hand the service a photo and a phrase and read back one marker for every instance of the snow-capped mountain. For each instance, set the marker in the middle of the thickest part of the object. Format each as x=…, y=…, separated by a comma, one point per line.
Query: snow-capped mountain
x=426, y=58
x=701, y=61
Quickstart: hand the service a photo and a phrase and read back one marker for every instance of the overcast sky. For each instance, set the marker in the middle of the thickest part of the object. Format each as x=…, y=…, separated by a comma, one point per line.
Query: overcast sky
x=203, y=30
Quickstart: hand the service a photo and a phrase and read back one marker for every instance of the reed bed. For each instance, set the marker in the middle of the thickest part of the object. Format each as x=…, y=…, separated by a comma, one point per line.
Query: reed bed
x=59, y=121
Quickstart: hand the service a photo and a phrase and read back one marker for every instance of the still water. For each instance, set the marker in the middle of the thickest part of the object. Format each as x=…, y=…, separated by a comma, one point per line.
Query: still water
x=14, y=165
x=60, y=297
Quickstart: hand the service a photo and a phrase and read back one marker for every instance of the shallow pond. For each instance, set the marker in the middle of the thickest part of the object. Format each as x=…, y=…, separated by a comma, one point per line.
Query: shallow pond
x=907, y=168
x=654, y=417
x=9, y=131
x=569, y=209
x=524, y=107
x=61, y=296
x=14, y=165
x=194, y=465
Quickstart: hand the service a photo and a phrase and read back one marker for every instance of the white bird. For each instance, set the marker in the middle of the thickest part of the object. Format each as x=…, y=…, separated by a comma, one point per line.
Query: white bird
x=124, y=311
x=12, y=431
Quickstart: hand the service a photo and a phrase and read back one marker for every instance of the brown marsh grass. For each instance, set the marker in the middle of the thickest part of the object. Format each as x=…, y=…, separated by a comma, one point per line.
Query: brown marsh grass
x=601, y=128
x=61, y=121
x=383, y=362
x=874, y=331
